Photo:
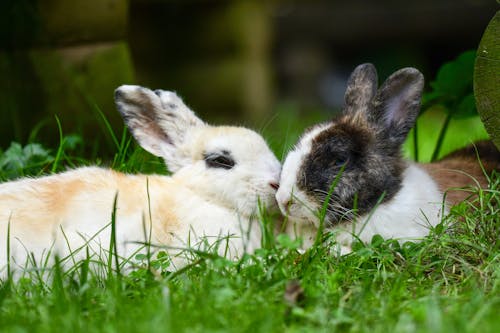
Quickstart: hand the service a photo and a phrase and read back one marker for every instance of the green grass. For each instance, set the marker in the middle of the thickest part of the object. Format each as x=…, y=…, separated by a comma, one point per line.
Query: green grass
x=450, y=282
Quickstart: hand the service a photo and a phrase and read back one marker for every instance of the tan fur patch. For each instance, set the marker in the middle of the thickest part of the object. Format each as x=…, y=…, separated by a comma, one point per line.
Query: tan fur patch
x=156, y=197
x=456, y=173
x=37, y=208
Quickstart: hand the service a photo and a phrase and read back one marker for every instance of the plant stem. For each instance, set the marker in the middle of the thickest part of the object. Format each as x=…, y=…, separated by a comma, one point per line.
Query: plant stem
x=415, y=141
x=441, y=136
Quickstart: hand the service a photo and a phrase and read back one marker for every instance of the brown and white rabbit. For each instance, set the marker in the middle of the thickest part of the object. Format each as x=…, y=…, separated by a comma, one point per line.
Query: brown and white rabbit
x=395, y=198
x=220, y=174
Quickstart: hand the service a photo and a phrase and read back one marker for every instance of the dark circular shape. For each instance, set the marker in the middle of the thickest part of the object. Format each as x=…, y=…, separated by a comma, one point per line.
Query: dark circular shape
x=222, y=161
x=487, y=79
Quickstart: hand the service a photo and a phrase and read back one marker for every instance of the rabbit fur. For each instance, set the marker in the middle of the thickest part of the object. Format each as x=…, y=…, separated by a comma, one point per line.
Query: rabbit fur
x=395, y=198
x=220, y=173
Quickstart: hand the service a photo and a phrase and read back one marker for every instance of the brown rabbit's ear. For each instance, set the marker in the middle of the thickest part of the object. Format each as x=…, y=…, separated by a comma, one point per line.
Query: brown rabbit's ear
x=361, y=88
x=158, y=120
x=395, y=107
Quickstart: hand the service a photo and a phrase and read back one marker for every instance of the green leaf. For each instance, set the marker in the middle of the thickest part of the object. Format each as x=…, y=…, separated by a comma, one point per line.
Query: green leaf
x=466, y=108
x=455, y=78
x=486, y=79
x=357, y=245
x=141, y=257
x=286, y=242
x=17, y=161
x=377, y=240
x=72, y=141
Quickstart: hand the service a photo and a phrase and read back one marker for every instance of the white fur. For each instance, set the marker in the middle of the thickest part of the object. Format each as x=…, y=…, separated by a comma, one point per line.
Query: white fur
x=291, y=200
x=406, y=217
x=67, y=211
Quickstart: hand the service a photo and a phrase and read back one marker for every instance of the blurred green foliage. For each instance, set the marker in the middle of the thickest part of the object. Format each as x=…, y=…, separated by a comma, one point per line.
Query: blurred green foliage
x=449, y=107
x=72, y=83
x=452, y=87
x=34, y=159
x=19, y=161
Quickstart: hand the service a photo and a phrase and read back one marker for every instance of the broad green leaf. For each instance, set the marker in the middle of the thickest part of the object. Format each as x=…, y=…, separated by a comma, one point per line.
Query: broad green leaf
x=455, y=78
x=487, y=79
x=466, y=108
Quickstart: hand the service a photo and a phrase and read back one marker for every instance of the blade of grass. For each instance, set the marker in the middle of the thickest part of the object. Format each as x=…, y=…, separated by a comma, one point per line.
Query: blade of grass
x=85, y=268
x=107, y=125
x=113, y=253
x=415, y=142
x=148, y=239
x=372, y=211
x=68, y=245
x=266, y=225
x=60, y=148
x=121, y=155
x=324, y=207
x=9, y=272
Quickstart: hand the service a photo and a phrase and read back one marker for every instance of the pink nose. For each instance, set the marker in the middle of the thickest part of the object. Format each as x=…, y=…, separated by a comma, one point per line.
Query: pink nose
x=284, y=201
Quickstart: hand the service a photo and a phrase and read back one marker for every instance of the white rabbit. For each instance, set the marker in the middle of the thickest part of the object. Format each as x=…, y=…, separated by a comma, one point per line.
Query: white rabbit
x=394, y=197
x=220, y=173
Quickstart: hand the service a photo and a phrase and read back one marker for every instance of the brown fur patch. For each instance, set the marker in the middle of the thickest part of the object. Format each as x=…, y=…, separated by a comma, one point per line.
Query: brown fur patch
x=461, y=169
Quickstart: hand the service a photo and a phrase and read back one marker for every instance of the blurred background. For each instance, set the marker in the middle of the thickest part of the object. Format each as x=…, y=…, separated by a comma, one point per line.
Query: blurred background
x=276, y=66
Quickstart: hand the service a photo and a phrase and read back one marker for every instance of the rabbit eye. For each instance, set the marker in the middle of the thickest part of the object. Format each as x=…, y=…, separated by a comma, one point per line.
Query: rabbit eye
x=340, y=161
x=223, y=160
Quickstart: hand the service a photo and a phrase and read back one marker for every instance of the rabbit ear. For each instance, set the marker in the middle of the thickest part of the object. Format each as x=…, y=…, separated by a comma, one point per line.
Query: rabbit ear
x=395, y=107
x=361, y=87
x=158, y=120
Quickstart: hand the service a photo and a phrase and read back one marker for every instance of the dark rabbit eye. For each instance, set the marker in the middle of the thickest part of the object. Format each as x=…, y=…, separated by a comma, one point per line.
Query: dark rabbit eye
x=219, y=160
x=340, y=161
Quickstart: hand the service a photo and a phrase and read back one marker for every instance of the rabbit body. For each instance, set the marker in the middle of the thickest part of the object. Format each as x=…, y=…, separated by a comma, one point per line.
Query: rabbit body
x=64, y=212
x=221, y=173
x=407, y=216
x=355, y=161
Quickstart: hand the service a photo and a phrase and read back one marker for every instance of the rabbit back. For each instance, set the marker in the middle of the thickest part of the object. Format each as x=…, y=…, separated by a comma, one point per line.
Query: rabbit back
x=64, y=213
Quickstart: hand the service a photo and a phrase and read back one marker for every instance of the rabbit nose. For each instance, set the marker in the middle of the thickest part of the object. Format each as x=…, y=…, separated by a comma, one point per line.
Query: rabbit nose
x=274, y=185
x=284, y=201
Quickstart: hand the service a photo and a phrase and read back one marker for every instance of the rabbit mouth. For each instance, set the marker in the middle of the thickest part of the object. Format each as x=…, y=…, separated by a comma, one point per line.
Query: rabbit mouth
x=254, y=201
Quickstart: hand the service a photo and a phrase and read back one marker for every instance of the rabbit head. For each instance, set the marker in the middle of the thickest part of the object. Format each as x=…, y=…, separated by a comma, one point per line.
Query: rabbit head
x=231, y=166
x=355, y=159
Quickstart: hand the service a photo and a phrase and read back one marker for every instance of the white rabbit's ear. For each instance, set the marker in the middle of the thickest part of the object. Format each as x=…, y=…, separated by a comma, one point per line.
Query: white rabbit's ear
x=158, y=120
x=361, y=88
x=397, y=103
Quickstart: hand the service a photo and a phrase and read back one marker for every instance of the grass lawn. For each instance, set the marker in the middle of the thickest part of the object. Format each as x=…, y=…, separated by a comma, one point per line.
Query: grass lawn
x=450, y=282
